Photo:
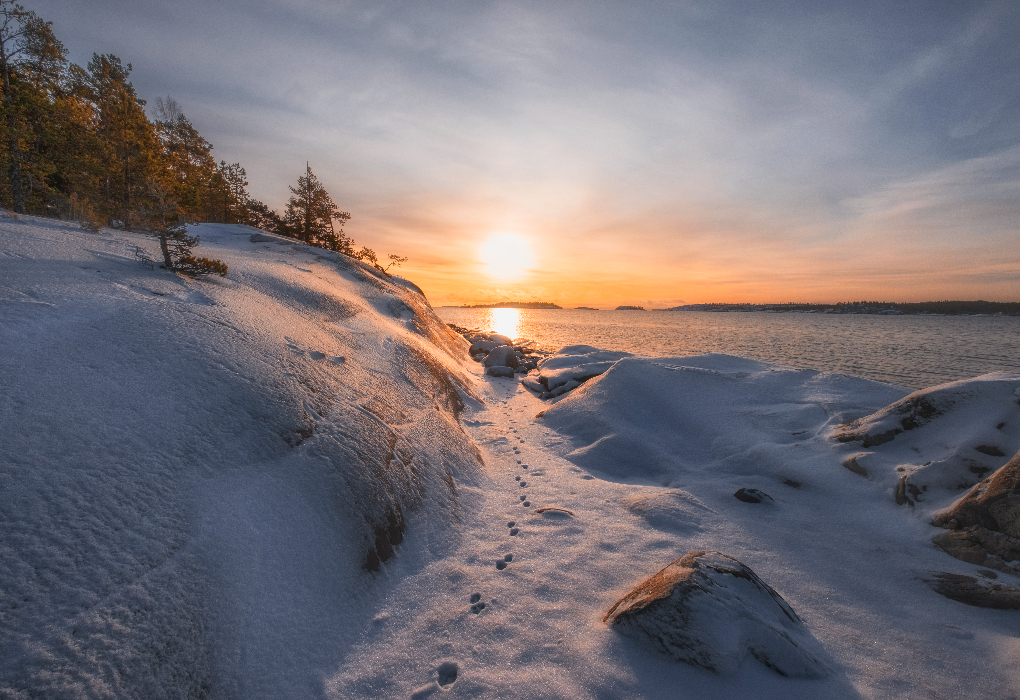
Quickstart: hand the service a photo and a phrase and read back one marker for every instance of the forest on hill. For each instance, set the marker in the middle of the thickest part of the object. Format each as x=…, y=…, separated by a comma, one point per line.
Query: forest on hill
x=76, y=143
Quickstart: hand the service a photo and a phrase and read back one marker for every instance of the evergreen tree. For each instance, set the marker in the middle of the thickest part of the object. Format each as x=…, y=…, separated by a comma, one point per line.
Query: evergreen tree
x=31, y=63
x=128, y=155
x=310, y=214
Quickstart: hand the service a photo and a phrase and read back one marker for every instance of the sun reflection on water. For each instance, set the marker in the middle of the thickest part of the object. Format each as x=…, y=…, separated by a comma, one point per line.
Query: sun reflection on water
x=506, y=322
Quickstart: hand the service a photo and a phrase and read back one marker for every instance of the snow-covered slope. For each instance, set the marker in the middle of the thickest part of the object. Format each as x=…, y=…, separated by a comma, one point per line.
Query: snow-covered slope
x=200, y=481
x=199, y=475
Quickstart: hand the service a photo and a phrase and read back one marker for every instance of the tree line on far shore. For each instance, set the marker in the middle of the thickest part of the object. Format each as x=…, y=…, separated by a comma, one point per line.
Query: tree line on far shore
x=77, y=144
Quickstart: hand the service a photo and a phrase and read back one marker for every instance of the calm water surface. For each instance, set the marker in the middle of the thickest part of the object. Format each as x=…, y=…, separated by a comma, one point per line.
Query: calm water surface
x=909, y=351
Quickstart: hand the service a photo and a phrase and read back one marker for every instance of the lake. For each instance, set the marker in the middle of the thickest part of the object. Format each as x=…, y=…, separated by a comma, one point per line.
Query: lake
x=909, y=351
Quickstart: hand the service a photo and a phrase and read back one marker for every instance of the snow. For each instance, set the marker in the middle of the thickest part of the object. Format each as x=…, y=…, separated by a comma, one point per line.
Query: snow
x=197, y=473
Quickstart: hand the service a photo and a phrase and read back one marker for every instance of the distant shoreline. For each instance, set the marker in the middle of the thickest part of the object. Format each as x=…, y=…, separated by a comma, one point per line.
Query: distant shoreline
x=923, y=308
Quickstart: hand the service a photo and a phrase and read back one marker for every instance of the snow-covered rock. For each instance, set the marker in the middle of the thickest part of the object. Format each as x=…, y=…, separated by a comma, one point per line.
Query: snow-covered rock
x=199, y=474
x=502, y=356
x=934, y=443
x=710, y=610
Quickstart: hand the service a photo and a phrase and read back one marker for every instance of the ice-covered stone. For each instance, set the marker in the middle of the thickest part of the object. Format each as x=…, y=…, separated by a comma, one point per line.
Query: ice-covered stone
x=707, y=609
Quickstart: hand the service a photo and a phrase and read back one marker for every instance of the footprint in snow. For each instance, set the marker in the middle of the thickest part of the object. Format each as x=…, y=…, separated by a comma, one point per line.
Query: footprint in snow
x=514, y=531
x=517, y=478
x=446, y=674
x=477, y=605
x=524, y=497
x=526, y=504
x=500, y=565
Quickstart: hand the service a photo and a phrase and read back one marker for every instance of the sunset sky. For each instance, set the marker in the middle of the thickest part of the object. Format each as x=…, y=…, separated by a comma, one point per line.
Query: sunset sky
x=651, y=153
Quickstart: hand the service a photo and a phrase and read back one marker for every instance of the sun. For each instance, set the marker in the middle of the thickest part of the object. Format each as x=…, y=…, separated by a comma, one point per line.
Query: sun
x=506, y=256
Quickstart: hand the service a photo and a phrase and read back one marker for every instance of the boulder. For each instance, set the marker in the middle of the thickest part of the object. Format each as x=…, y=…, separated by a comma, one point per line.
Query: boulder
x=752, y=496
x=502, y=356
x=481, y=346
x=709, y=610
x=501, y=339
x=499, y=371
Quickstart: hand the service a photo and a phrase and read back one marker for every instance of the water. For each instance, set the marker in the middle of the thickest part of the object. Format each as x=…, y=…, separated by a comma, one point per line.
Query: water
x=909, y=351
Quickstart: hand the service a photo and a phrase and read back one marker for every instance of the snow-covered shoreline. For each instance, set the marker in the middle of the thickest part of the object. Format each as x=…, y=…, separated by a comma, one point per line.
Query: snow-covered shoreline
x=293, y=483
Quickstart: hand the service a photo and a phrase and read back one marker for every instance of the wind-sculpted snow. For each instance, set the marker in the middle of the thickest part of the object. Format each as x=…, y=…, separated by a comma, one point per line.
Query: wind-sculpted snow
x=179, y=453
x=650, y=419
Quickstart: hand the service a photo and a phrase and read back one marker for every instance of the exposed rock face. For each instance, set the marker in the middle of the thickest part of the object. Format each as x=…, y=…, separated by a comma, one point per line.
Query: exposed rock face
x=993, y=504
x=707, y=609
x=984, y=525
x=973, y=591
x=981, y=546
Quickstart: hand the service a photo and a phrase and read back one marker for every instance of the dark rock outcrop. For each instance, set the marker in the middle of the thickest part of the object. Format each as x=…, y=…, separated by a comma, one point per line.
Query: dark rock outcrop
x=974, y=591
x=993, y=503
x=707, y=609
x=984, y=525
x=752, y=496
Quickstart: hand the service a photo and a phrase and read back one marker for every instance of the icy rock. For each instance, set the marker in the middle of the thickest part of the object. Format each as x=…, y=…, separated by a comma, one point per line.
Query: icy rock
x=501, y=340
x=481, y=346
x=707, y=609
x=500, y=371
x=502, y=356
x=752, y=496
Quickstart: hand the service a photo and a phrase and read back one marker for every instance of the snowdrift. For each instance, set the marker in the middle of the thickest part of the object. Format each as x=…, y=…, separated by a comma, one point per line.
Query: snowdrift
x=199, y=474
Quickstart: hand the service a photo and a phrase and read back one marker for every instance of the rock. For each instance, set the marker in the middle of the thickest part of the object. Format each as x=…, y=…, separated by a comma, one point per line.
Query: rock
x=752, y=496
x=500, y=371
x=501, y=340
x=994, y=503
x=535, y=386
x=981, y=546
x=481, y=346
x=852, y=465
x=564, y=388
x=972, y=591
x=630, y=308
x=502, y=356
x=709, y=610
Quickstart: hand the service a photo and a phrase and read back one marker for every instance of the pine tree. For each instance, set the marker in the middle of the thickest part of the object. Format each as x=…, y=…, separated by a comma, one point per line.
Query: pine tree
x=31, y=62
x=310, y=214
x=129, y=155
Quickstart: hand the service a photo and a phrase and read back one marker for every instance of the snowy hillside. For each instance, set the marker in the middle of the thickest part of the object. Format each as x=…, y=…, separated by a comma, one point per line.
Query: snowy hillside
x=292, y=482
x=197, y=473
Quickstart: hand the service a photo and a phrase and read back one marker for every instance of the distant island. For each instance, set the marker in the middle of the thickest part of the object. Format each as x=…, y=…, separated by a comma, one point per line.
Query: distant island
x=513, y=305
x=888, y=308
x=630, y=308
x=585, y=308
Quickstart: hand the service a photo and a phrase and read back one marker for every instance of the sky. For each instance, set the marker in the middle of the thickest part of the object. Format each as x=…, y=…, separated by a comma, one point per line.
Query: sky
x=642, y=152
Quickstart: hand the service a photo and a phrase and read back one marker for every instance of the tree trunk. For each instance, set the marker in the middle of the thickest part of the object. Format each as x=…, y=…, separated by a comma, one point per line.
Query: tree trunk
x=165, y=249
